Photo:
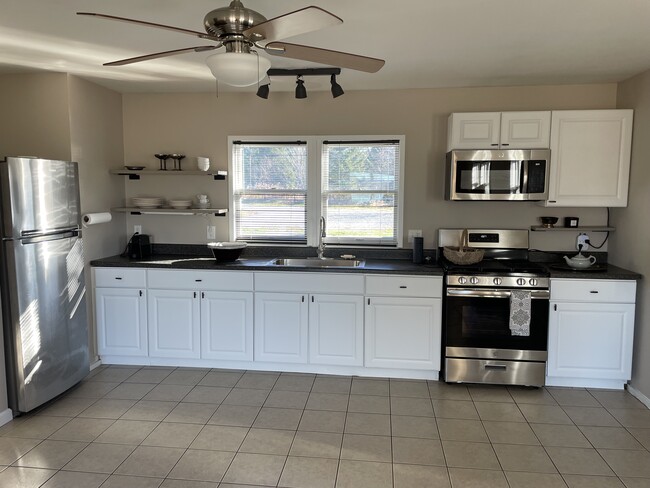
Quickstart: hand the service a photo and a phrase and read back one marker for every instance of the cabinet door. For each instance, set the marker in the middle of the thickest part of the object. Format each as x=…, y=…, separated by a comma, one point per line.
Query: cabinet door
x=590, y=158
x=174, y=322
x=477, y=130
x=336, y=330
x=403, y=333
x=590, y=340
x=227, y=325
x=121, y=321
x=281, y=327
x=525, y=130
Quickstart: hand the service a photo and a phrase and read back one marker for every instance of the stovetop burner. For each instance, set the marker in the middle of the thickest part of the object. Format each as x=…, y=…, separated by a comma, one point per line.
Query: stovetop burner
x=496, y=267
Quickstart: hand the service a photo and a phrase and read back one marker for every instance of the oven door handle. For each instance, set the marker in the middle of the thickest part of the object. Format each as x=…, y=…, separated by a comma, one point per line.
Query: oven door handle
x=472, y=293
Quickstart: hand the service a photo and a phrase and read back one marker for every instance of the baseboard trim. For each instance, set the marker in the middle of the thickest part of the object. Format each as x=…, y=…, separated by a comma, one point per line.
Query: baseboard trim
x=96, y=364
x=6, y=416
x=639, y=396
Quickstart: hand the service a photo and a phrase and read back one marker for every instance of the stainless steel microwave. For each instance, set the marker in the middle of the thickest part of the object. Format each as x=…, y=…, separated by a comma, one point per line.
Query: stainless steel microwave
x=492, y=174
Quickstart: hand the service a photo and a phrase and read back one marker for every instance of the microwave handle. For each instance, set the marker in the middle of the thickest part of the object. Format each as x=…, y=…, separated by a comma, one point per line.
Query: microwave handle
x=524, y=176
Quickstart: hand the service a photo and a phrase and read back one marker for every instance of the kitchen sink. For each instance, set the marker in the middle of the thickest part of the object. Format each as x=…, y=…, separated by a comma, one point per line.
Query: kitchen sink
x=318, y=263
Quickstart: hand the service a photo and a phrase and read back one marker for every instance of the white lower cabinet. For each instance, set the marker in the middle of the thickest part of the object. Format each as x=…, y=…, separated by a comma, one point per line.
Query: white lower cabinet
x=174, y=324
x=336, y=330
x=121, y=311
x=121, y=317
x=591, y=333
x=281, y=327
x=227, y=325
x=403, y=333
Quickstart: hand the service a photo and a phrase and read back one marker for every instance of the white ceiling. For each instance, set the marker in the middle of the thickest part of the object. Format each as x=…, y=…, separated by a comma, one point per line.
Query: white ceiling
x=426, y=43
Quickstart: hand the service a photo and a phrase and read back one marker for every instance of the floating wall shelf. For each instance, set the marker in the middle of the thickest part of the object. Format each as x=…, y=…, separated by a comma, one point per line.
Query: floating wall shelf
x=583, y=228
x=135, y=174
x=217, y=212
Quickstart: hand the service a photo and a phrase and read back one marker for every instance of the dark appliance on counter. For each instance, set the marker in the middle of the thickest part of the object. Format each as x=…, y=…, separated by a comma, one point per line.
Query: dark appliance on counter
x=495, y=174
x=479, y=345
x=139, y=247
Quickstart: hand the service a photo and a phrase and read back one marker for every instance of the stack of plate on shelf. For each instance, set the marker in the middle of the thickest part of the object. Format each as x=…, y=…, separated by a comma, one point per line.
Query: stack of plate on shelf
x=147, y=202
x=180, y=203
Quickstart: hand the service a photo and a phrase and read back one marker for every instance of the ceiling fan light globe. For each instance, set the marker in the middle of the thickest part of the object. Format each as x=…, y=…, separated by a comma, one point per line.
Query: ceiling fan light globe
x=238, y=69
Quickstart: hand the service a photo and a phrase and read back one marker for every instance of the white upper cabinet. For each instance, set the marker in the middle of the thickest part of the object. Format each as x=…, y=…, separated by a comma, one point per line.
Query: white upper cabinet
x=499, y=130
x=590, y=158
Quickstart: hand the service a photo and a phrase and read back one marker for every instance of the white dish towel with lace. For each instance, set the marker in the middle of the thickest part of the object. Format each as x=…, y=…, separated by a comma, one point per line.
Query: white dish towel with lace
x=520, y=313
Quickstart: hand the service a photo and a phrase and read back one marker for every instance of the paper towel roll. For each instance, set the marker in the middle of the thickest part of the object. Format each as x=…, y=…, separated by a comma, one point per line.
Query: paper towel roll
x=96, y=218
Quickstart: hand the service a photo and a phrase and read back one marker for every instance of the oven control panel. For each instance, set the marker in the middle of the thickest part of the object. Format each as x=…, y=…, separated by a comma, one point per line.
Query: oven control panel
x=521, y=281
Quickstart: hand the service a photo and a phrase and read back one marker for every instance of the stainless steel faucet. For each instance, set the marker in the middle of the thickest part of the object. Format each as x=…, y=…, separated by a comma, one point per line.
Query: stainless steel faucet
x=321, y=235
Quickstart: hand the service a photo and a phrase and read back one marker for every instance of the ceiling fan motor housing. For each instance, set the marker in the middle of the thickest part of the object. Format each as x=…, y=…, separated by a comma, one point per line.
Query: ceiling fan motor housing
x=232, y=20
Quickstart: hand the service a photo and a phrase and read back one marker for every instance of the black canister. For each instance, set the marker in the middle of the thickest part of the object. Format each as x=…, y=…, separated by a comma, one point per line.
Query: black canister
x=418, y=250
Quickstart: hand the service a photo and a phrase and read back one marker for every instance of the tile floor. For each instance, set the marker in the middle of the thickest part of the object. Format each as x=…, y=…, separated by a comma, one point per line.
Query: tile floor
x=137, y=427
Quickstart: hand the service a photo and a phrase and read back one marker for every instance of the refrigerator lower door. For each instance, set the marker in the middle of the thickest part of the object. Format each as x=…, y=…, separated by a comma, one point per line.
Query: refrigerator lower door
x=46, y=328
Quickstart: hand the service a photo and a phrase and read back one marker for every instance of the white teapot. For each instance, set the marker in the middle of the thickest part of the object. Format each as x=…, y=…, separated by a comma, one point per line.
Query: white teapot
x=579, y=261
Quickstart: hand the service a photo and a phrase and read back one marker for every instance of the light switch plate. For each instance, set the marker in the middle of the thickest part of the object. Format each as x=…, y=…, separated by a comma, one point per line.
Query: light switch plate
x=582, y=239
x=212, y=232
x=414, y=233
x=137, y=229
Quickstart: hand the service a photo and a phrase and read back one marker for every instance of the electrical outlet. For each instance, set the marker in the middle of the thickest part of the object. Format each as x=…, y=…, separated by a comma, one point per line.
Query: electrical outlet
x=212, y=232
x=414, y=233
x=137, y=229
x=581, y=241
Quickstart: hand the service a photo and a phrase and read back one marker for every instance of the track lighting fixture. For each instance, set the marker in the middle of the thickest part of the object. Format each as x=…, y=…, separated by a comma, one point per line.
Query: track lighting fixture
x=337, y=91
x=301, y=92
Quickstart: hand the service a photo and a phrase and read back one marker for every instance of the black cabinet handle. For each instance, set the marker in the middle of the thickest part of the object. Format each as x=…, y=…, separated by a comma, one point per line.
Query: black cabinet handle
x=194, y=294
x=202, y=294
x=593, y=291
x=118, y=277
x=198, y=281
x=312, y=299
x=505, y=144
x=368, y=301
x=140, y=292
x=303, y=299
x=403, y=286
x=555, y=307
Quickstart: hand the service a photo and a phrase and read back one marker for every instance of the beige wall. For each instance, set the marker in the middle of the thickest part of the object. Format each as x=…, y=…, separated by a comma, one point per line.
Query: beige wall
x=34, y=118
x=629, y=244
x=199, y=125
x=96, y=144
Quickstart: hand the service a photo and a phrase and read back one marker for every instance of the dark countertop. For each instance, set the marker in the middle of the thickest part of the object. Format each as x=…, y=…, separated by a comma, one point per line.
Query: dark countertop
x=607, y=272
x=176, y=261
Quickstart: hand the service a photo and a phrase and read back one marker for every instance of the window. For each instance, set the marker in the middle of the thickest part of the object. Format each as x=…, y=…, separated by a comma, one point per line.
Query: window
x=355, y=183
x=360, y=191
x=270, y=191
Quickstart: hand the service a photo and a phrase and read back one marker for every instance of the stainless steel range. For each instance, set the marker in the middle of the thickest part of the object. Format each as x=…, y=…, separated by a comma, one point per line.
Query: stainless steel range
x=495, y=312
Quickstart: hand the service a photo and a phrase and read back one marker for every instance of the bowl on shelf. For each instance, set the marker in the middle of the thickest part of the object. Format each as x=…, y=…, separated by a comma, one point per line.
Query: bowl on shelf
x=548, y=222
x=226, y=251
x=134, y=168
x=180, y=203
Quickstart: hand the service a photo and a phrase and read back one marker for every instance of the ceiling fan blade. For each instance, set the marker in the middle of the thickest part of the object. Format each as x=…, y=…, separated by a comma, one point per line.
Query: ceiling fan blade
x=202, y=35
x=306, y=19
x=162, y=54
x=325, y=56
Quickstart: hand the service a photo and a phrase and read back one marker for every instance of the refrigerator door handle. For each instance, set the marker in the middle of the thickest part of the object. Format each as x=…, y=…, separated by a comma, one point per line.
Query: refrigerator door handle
x=51, y=237
x=36, y=232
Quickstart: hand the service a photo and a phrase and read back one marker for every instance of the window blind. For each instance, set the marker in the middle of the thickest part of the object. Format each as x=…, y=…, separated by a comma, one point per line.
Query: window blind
x=360, y=191
x=270, y=191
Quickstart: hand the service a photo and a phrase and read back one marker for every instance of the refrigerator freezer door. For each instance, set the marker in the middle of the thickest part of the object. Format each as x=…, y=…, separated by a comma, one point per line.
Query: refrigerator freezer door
x=46, y=329
x=38, y=196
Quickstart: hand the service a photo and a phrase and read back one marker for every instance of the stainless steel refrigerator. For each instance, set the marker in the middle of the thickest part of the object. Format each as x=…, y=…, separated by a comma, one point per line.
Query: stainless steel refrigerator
x=43, y=292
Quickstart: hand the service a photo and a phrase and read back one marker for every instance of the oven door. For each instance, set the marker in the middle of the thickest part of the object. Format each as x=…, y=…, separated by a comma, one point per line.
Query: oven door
x=477, y=325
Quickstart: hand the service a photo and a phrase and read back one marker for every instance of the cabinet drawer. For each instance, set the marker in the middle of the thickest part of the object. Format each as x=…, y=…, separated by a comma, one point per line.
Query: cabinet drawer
x=404, y=286
x=612, y=291
x=295, y=282
x=120, y=278
x=200, y=280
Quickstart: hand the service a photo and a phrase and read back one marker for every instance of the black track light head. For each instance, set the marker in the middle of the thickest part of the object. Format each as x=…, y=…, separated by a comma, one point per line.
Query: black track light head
x=337, y=90
x=263, y=91
x=301, y=92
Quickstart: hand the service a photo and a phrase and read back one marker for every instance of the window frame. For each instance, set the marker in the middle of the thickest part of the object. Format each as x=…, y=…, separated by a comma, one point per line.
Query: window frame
x=315, y=188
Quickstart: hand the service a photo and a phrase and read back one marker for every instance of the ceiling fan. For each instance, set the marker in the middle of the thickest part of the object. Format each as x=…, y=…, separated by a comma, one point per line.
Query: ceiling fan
x=240, y=29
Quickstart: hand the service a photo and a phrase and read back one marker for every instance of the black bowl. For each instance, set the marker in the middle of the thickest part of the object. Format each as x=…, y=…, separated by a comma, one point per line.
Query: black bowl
x=226, y=253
